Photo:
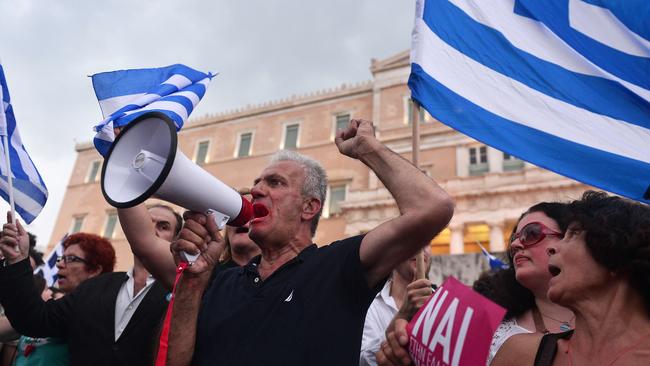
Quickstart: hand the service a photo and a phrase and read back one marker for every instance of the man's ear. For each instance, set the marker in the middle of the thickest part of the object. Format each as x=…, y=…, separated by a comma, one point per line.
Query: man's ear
x=310, y=208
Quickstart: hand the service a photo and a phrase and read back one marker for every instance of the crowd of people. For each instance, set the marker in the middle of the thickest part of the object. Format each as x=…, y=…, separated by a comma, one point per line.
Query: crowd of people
x=577, y=291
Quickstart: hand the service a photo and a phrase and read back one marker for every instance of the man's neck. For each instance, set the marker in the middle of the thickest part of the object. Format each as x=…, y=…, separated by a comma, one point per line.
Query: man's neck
x=242, y=257
x=140, y=276
x=275, y=257
x=398, y=288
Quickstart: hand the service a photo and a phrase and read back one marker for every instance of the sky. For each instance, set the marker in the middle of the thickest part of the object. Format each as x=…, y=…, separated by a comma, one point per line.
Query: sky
x=262, y=50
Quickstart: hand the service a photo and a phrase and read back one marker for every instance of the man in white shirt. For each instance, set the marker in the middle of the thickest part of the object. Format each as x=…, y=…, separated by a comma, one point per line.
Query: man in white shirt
x=400, y=293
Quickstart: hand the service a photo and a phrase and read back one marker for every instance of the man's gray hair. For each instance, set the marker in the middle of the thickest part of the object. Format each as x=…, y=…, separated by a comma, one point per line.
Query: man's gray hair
x=315, y=179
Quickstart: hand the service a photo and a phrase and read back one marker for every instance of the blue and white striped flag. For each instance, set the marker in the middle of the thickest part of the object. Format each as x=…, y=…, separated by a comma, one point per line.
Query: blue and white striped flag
x=126, y=94
x=494, y=262
x=49, y=270
x=29, y=191
x=563, y=84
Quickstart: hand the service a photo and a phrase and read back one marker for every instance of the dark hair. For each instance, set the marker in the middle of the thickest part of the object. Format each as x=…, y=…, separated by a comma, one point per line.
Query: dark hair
x=502, y=286
x=617, y=235
x=179, y=218
x=32, y=240
x=36, y=256
x=99, y=251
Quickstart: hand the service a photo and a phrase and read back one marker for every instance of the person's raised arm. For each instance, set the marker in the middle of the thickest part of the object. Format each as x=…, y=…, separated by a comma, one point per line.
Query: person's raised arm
x=425, y=208
x=199, y=235
x=152, y=251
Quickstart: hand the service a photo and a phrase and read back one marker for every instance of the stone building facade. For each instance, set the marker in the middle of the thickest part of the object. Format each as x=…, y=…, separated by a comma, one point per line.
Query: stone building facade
x=491, y=188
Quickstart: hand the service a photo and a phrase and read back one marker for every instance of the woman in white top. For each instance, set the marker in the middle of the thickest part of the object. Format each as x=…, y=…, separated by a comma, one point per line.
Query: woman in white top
x=522, y=288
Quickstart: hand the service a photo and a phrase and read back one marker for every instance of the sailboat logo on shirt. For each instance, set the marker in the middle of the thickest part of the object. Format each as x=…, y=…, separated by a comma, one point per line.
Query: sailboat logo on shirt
x=288, y=299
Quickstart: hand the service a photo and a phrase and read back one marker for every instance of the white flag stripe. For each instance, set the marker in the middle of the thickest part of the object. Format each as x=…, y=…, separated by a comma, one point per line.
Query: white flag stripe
x=110, y=105
x=25, y=162
x=171, y=106
x=535, y=38
x=178, y=80
x=26, y=202
x=479, y=84
x=600, y=24
x=189, y=95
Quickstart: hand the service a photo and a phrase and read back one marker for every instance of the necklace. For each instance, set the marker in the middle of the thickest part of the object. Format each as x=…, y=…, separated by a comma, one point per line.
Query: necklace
x=565, y=325
x=619, y=355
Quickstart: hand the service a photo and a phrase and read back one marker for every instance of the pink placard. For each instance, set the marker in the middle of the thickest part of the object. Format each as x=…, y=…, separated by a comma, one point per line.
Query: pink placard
x=454, y=327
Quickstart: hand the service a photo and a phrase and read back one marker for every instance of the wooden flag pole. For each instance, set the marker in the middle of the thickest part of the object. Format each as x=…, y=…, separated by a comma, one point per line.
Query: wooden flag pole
x=415, y=158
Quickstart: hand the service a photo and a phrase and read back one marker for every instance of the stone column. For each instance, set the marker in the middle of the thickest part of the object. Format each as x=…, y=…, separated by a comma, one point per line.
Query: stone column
x=497, y=242
x=495, y=160
x=457, y=244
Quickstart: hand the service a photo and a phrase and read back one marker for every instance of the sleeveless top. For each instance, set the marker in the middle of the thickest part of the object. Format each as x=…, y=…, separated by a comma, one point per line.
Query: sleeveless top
x=548, y=348
x=506, y=329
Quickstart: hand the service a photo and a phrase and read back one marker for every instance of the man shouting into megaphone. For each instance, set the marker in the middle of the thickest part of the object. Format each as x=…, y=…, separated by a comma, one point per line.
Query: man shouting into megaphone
x=296, y=303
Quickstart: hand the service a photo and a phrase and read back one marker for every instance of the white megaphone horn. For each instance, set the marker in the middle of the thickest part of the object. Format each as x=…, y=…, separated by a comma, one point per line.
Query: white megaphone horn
x=145, y=161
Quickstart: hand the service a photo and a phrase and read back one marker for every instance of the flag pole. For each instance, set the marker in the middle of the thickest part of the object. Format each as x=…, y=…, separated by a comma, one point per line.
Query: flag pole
x=5, y=142
x=415, y=158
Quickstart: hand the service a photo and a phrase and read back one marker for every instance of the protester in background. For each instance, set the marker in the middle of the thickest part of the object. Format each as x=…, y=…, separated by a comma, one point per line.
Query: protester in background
x=521, y=289
x=110, y=319
x=85, y=256
x=600, y=271
x=240, y=249
x=403, y=293
x=285, y=307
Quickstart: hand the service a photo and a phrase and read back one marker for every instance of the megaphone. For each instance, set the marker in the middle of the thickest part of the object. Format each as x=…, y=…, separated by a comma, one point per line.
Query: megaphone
x=144, y=161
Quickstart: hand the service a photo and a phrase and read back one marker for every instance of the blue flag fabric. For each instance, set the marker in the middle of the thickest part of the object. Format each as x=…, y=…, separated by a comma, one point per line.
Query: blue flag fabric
x=126, y=94
x=494, y=262
x=563, y=84
x=30, y=193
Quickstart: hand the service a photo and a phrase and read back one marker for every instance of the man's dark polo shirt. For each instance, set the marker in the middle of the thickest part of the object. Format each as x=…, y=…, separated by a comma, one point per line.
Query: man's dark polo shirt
x=309, y=312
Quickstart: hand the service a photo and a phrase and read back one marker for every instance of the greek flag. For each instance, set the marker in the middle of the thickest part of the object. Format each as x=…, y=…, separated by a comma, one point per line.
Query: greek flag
x=494, y=262
x=126, y=94
x=563, y=84
x=29, y=191
x=49, y=269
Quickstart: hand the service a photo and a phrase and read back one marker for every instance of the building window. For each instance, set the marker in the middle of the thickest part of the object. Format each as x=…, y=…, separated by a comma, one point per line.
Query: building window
x=93, y=172
x=201, y=156
x=291, y=136
x=408, y=115
x=77, y=223
x=342, y=122
x=245, y=142
x=478, y=163
x=337, y=195
x=511, y=163
x=109, y=228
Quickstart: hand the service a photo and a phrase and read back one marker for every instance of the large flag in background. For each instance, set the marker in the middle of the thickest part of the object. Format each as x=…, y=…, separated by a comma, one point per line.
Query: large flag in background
x=30, y=193
x=563, y=84
x=126, y=94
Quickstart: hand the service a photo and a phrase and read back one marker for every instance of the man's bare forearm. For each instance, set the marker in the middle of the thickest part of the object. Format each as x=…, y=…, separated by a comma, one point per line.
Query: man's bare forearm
x=187, y=302
x=152, y=251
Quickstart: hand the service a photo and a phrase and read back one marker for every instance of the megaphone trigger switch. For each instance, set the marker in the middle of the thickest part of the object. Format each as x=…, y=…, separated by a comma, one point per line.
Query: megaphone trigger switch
x=220, y=219
x=138, y=162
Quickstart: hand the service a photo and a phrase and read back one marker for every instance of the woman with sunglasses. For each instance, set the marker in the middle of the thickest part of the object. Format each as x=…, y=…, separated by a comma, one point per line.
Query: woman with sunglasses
x=522, y=288
x=601, y=270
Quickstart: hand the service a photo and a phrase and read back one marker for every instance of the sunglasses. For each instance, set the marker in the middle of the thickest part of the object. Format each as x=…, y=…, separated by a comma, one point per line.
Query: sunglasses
x=532, y=234
x=67, y=259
